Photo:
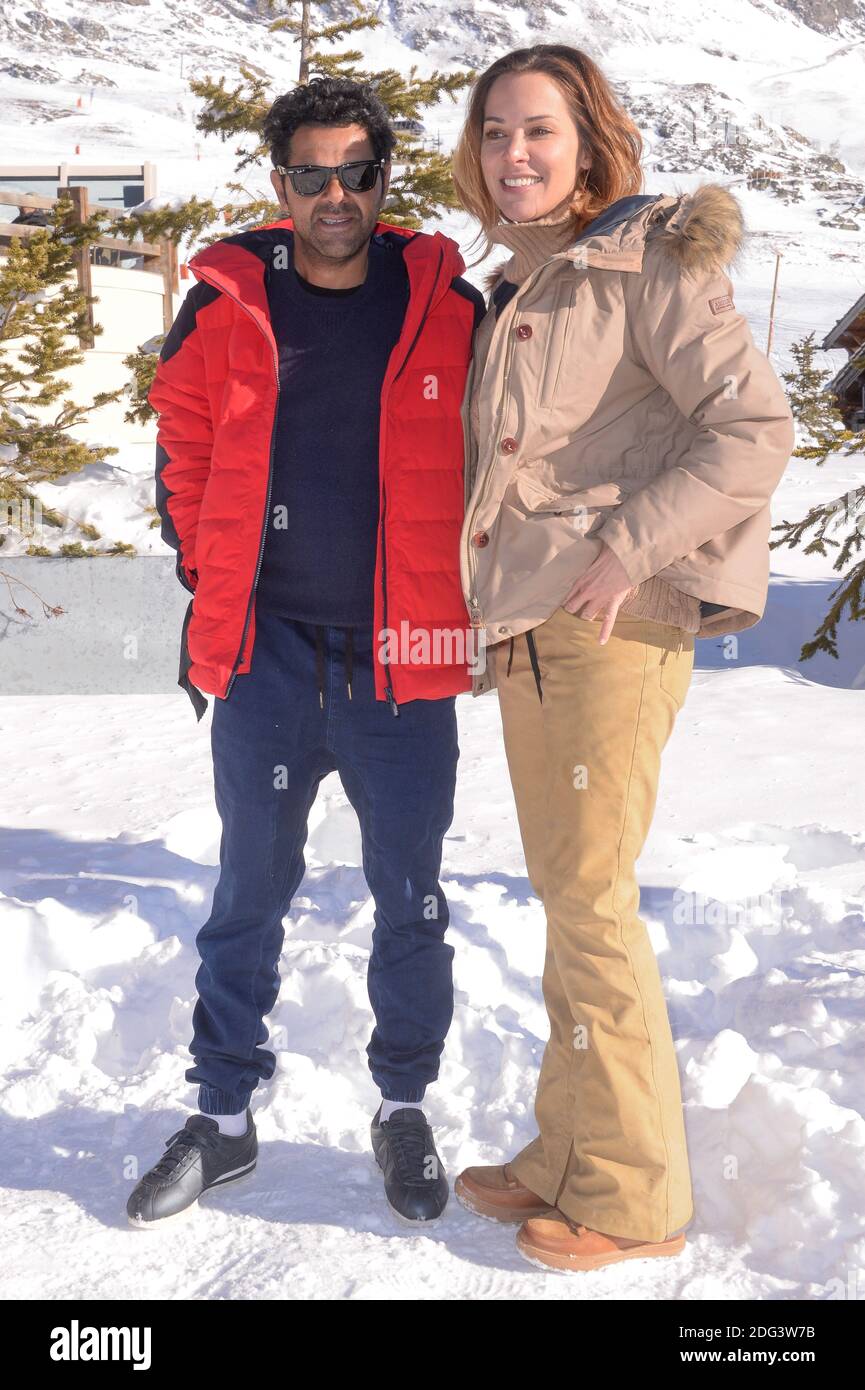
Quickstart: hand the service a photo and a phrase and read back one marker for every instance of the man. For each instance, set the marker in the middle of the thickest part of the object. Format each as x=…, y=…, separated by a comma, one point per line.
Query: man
x=30, y=214
x=309, y=473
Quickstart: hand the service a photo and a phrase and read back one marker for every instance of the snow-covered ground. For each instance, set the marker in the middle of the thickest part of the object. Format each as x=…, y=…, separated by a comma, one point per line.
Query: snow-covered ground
x=753, y=876
x=753, y=886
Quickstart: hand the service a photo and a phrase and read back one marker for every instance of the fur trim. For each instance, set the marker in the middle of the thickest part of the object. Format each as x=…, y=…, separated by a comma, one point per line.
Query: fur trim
x=492, y=278
x=709, y=230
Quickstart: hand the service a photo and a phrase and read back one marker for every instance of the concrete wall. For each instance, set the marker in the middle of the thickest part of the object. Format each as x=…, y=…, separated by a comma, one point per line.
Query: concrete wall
x=119, y=633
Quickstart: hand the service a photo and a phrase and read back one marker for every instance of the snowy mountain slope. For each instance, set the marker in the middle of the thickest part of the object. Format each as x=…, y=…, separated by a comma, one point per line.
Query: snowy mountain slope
x=758, y=59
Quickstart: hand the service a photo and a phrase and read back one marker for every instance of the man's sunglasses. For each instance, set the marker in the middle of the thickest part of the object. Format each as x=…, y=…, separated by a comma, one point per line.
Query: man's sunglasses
x=308, y=179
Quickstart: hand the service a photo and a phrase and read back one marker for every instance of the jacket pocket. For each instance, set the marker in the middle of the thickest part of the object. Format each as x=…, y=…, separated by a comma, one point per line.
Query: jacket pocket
x=593, y=505
x=557, y=332
x=586, y=518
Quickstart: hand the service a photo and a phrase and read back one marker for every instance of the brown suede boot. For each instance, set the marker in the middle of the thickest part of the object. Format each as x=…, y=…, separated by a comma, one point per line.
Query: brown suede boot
x=495, y=1193
x=554, y=1242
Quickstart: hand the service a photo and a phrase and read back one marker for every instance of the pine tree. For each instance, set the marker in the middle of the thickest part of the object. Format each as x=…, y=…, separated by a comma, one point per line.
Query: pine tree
x=41, y=309
x=188, y=220
x=142, y=370
x=421, y=184
x=815, y=410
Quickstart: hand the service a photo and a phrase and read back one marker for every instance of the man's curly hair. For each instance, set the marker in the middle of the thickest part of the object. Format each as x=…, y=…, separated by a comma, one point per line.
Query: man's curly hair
x=328, y=101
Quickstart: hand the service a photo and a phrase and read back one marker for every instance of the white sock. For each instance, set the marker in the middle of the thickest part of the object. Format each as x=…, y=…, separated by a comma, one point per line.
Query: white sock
x=234, y=1125
x=388, y=1107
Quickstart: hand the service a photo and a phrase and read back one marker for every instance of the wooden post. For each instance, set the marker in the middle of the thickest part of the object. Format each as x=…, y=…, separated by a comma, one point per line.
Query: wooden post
x=772, y=306
x=79, y=214
x=170, y=279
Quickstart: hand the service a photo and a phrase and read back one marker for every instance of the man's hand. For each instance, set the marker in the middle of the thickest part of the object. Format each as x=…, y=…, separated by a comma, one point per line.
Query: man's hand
x=600, y=591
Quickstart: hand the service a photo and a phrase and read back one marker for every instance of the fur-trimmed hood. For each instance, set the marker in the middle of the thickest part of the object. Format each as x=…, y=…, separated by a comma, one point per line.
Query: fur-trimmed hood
x=706, y=231
x=703, y=230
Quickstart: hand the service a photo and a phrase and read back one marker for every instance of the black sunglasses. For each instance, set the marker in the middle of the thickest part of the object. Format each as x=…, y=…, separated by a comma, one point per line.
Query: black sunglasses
x=358, y=176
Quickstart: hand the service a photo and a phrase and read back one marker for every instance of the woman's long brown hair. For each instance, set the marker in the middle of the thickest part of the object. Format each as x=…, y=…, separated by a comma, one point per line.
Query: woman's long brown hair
x=606, y=131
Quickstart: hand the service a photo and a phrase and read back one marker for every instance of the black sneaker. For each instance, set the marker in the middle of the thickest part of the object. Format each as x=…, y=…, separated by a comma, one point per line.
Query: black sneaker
x=197, y=1158
x=415, y=1183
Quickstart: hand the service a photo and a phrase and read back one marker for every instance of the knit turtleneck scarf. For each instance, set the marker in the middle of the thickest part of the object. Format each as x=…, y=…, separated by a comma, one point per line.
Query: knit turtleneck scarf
x=532, y=242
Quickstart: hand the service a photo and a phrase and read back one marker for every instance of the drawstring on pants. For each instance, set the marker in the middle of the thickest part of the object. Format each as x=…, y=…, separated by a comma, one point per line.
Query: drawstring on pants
x=533, y=658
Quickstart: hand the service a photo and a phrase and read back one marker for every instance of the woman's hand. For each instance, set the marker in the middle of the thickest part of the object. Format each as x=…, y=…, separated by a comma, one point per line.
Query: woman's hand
x=602, y=588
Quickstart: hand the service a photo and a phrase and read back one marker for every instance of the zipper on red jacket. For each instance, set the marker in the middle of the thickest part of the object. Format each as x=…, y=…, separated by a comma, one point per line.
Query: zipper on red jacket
x=249, y=604
x=388, y=689
x=233, y=677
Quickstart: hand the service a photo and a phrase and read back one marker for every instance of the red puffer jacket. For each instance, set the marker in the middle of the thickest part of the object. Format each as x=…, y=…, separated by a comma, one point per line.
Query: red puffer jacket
x=216, y=393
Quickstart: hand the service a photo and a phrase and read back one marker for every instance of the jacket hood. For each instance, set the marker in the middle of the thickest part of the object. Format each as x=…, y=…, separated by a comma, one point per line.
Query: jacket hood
x=703, y=230
x=706, y=231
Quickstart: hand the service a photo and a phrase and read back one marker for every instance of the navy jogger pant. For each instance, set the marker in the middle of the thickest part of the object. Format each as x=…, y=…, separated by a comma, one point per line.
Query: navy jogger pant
x=273, y=739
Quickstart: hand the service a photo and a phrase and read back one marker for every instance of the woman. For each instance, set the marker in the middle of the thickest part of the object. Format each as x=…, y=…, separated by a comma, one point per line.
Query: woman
x=624, y=436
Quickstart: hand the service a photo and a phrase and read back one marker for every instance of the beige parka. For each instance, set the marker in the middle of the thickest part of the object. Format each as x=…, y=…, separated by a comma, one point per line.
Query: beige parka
x=623, y=399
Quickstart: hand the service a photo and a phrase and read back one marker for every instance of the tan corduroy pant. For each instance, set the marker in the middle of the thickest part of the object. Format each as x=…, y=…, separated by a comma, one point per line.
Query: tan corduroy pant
x=584, y=764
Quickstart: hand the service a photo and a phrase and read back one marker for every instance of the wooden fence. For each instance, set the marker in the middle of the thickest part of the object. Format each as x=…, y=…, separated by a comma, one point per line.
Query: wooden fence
x=158, y=258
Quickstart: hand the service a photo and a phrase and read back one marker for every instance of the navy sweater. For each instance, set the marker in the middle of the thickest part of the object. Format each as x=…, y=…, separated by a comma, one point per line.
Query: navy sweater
x=318, y=564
